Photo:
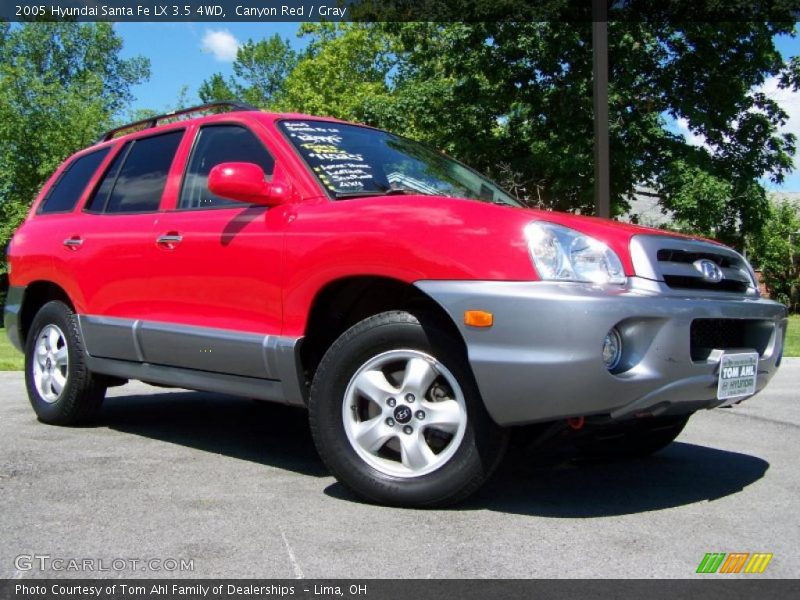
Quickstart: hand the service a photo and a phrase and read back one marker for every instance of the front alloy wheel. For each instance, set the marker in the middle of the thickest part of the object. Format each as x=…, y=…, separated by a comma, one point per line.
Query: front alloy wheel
x=396, y=414
x=404, y=413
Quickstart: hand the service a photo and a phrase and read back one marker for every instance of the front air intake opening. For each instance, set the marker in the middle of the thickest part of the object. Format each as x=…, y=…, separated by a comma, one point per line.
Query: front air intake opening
x=708, y=335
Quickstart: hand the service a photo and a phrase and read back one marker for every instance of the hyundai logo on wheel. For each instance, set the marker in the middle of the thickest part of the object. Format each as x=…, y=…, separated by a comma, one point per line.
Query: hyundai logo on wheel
x=402, y=414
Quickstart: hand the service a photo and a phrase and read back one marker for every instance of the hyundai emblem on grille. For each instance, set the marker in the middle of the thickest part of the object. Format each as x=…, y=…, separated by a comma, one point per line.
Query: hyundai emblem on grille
x=709, y=270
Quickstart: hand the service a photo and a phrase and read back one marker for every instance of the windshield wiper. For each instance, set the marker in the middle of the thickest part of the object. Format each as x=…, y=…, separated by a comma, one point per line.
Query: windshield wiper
x=356, y=194
x=363, y=193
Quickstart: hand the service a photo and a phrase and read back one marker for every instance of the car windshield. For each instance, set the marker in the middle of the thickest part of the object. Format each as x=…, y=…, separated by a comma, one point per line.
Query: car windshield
x=352, y=161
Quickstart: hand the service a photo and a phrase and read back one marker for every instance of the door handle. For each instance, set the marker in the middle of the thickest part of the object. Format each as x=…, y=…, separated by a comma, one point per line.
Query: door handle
x=73, y=243
x=169, y=240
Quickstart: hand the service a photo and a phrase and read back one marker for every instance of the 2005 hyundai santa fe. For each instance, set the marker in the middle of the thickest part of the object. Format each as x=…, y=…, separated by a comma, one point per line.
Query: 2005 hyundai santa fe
x=413, y=306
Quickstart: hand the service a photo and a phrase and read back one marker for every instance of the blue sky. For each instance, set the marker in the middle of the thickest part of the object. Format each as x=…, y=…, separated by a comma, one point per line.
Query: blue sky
x=188, y=53
x=185, y=54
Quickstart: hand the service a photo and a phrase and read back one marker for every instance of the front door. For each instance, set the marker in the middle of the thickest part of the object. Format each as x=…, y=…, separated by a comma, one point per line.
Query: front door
x=217, y=267
x=107, y=247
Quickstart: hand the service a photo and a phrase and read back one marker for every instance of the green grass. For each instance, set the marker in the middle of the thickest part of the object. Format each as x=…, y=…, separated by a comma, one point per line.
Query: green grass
x=792, y=347
x=10, y=358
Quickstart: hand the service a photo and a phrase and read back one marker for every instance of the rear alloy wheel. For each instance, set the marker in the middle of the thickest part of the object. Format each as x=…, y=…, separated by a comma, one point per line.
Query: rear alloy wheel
x=61, y=389
x=397, y=417
x=51, y=363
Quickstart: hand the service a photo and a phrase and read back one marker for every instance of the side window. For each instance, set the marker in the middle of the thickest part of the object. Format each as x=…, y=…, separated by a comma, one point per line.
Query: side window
x=73, y=180
x=136, y=178
x=97, y=202
x=217, y=144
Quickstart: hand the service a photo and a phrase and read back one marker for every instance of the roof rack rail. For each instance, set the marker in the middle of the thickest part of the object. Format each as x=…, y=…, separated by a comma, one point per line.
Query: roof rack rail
x=151, y=122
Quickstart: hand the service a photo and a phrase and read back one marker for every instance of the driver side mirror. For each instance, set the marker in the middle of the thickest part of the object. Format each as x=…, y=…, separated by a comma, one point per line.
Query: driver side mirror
x=245, y=182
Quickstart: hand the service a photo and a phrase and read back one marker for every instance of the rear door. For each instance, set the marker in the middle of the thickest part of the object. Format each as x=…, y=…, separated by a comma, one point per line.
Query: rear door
x=218, y=264
x=51, y=234
x=113, y=239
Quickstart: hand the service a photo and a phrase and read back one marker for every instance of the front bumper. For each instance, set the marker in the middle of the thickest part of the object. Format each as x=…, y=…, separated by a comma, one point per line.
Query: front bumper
x=541, y=359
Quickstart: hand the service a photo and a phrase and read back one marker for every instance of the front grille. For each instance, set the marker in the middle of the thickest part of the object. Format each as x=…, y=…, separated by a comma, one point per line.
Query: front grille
x=685, y=257
x=679, y=264
x=707, y=335
x=698, y=283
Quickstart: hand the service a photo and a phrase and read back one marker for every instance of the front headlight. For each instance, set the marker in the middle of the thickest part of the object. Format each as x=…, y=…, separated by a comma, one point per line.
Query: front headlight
x=563, y=254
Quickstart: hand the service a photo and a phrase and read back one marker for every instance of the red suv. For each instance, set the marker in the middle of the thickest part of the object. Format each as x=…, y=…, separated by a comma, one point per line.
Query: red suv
x=415, y=308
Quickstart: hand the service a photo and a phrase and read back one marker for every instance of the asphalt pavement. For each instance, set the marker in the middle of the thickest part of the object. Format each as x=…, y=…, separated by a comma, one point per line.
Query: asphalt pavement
x=235, y=487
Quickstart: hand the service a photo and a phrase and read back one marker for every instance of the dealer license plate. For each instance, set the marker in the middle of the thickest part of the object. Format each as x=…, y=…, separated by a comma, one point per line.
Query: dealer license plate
x=737, y=375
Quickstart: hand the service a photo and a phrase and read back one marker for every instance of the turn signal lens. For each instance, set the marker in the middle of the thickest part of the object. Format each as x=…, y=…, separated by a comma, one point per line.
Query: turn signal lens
x=478, y=318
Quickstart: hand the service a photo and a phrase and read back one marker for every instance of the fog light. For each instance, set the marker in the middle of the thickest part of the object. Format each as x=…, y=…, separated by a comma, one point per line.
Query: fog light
x=612, y=349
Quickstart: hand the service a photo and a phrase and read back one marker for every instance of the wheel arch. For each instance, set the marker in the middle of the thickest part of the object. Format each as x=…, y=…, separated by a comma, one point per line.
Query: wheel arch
x=36, y=295
x=343, y=302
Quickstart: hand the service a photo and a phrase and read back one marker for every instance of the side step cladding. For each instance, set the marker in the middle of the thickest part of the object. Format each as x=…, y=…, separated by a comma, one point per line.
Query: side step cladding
x=199, y=358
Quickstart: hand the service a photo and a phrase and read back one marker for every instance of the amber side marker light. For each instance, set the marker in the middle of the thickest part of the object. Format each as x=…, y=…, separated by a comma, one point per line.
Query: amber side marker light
x=478, y=318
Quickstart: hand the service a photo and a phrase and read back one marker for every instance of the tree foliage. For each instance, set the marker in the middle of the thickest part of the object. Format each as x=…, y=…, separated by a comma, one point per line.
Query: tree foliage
x=60, y=85
x=259, y=74
x=776, y=251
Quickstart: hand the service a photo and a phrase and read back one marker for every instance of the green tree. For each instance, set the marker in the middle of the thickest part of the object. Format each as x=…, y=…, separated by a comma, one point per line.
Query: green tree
x=343, y=73
x=259, y=73
x=524, y=91
x=775, y=250
x=60, y=85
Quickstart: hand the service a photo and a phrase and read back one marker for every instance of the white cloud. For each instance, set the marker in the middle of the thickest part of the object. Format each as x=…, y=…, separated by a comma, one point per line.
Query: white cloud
x=788, y=100
x=691, y=137
x=221, y=43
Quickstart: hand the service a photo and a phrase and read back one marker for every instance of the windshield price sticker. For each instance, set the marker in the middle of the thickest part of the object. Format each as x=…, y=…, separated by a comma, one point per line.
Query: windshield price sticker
x=336, y=167
x=737, y=375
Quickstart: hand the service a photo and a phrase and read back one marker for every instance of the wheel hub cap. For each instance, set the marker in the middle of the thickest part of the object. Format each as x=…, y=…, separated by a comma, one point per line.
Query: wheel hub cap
x=50, y=363
x=404, y=413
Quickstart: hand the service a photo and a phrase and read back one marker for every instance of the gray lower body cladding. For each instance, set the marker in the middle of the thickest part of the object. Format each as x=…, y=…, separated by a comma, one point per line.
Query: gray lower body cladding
x=248, y=364
x=541, y=359
x=11, y=314
x=202, y=358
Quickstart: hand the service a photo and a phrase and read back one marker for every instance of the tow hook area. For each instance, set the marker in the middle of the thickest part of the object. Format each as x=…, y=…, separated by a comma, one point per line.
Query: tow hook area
x=533, y=439
x=576, y=423
x=598, y=437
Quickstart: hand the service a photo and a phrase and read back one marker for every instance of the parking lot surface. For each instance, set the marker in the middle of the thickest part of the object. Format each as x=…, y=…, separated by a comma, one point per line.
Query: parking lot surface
x=237, y=487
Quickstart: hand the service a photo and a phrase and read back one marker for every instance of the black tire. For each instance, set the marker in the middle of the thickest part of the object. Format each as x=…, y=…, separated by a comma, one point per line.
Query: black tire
x=636, y=439
x=83, y=392
x=472, y=463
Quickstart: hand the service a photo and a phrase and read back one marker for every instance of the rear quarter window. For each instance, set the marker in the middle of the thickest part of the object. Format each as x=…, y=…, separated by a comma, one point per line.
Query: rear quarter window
x=69, y=187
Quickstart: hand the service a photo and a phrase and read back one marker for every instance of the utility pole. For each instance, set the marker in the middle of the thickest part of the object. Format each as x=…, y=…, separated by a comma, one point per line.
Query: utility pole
x=602, y=166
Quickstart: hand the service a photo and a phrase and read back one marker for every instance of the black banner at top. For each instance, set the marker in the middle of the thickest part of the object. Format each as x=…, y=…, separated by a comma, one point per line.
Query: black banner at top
x=674, y=11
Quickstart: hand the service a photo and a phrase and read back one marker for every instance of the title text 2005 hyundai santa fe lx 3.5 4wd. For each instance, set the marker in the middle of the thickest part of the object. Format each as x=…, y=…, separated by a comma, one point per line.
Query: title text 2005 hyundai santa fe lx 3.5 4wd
x=415, y=308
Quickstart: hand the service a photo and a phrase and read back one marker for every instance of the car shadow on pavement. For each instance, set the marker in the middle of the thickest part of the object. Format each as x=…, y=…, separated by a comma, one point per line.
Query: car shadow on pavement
x=559, y=486
x=261, y=432
x=678, y=475
x=546, y=484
